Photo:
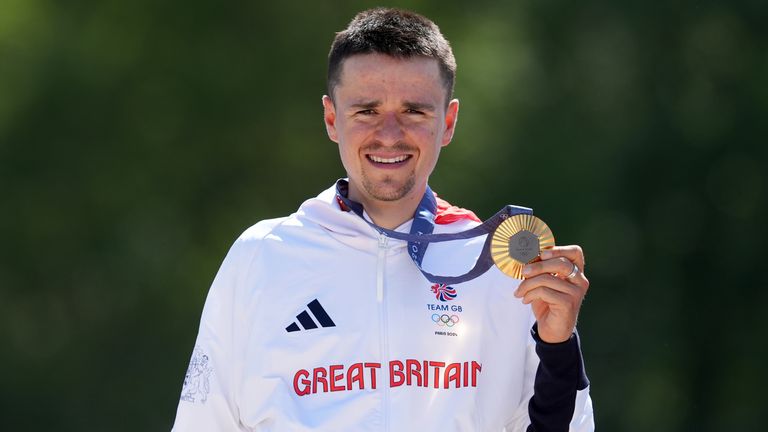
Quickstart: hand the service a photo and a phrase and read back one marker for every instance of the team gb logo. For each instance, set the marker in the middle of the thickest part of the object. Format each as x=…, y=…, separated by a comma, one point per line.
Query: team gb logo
x=443, y=292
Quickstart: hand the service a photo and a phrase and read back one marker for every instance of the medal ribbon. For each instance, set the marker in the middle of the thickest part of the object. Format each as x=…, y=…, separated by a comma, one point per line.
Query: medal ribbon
x=421, y=234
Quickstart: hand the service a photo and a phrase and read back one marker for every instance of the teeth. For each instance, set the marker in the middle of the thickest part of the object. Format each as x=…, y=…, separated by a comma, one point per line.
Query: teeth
x=390, y=160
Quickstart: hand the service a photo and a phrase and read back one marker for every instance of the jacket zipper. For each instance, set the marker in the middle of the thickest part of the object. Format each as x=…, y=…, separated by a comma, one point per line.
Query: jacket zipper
x=383, y=332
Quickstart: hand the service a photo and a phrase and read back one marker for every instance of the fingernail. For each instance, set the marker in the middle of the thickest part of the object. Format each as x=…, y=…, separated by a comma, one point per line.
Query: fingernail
x=526, y=270
x=546, y=254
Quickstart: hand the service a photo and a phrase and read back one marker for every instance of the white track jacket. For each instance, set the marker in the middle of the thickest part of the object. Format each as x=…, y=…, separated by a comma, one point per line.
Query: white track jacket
x=315, y=322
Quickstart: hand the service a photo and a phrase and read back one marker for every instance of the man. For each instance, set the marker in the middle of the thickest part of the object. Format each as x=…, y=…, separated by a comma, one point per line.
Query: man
x=325, y=321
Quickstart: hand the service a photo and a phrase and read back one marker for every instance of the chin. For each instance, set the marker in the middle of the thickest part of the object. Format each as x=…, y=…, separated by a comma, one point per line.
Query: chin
x=388, y=191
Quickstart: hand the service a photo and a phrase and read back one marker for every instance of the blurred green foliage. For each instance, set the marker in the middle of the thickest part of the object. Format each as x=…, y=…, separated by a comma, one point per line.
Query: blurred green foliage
x=138, y=139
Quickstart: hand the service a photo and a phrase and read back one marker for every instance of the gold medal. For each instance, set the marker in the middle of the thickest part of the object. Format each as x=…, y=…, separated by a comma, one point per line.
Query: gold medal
x=518, y=241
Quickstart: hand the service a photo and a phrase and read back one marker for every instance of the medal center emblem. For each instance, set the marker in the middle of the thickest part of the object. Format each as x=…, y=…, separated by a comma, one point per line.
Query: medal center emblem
x=524, y=246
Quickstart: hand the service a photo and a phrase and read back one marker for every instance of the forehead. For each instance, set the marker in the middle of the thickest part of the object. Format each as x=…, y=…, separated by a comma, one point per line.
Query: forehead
x=382, y=77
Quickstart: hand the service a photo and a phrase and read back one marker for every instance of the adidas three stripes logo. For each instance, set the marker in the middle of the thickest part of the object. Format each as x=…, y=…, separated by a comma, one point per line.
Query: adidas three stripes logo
x=305, y=318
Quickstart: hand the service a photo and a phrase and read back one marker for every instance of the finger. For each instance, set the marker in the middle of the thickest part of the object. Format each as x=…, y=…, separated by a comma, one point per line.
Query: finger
x=549, y=296
x=571, y=252
x=561, y=266
x=551, y=282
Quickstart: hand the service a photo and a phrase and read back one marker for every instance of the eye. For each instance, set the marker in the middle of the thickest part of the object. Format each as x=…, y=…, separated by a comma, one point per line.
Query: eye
x=414, y=111
x=366, y=112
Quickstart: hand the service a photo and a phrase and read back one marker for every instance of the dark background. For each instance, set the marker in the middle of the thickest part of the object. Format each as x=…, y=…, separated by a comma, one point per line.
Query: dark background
x=138, y=139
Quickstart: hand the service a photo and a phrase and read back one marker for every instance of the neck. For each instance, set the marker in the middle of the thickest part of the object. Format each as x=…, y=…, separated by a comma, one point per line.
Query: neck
x=389, y=214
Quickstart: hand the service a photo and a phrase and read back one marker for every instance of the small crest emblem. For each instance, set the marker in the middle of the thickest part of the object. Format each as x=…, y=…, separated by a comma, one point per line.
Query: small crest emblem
x=196, y=381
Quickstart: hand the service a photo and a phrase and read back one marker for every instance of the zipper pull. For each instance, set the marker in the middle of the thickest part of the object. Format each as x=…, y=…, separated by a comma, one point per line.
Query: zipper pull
x=383, y=239
x=382, y=256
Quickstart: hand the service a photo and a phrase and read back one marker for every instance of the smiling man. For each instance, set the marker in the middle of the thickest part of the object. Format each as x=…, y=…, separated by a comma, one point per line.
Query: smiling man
x=390, y=117
x=336, y=318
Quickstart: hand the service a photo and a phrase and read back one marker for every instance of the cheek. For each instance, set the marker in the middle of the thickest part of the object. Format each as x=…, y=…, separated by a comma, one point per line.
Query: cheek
x=428, y=130
x=355, y=133
x=425, y=136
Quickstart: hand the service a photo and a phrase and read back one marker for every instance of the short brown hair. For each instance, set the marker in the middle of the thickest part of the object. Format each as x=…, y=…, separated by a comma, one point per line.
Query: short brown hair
x=394, y=32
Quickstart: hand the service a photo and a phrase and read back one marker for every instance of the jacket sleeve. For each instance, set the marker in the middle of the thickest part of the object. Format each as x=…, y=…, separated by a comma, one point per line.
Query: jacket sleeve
x=560, y=399
x=208, y=397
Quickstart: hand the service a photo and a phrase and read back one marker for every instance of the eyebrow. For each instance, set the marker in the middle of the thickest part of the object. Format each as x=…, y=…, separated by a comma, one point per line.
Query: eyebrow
x=366, y=105
x=418, y=106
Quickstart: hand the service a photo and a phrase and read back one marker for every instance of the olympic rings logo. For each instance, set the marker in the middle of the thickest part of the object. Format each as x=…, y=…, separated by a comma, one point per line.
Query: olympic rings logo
x=445, y=320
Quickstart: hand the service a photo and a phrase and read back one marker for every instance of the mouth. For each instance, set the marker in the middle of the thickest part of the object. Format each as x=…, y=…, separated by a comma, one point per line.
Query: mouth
x=394, y=160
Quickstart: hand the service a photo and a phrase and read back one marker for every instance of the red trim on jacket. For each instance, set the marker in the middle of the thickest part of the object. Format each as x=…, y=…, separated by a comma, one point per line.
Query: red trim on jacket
x=447, y=213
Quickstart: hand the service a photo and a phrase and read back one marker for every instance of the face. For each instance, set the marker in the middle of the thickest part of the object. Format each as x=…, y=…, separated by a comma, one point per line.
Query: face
x=390, y=120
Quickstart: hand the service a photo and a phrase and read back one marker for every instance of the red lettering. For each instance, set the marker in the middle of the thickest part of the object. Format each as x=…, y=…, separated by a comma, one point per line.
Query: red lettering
x=437, y=366
x=476, y=369
x=452, y=373
x=335, y=377
x=373, y=367
x=411, y=372
x=413, y=369
x=355, y=375
x=318, y=378
x=396, y=377
x=301, y=376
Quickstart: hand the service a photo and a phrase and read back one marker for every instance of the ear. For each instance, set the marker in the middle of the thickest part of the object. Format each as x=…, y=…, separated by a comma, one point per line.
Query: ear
x=329, y=115
x=451, y=115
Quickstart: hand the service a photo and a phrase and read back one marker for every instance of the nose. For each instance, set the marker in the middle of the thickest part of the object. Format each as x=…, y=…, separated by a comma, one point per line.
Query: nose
x=390, y=129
